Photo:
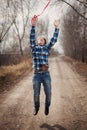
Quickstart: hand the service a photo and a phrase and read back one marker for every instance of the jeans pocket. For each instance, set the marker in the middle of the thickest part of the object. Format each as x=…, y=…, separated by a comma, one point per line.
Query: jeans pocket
x=35, y=77
x=47, y=76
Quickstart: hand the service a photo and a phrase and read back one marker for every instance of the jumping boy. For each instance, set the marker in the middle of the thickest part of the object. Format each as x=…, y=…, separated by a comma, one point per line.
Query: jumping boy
x=40, y=54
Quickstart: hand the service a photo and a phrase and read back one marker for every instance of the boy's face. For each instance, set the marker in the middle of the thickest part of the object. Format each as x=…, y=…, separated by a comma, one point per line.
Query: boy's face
x=41, y=41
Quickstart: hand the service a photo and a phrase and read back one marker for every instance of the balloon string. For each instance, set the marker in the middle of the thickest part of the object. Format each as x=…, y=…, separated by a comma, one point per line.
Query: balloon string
x=44, y=8
x=42, y=11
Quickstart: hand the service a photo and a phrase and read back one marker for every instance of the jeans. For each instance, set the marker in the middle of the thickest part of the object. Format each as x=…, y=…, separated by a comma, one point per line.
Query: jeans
x=45, y=79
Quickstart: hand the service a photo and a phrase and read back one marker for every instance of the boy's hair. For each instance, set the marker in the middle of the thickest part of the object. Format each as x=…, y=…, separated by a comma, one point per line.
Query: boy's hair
x=45, y=40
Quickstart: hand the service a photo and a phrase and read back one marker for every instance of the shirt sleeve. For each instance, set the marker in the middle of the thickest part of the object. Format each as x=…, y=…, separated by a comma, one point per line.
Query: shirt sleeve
x=32, y=37
x=54, y=38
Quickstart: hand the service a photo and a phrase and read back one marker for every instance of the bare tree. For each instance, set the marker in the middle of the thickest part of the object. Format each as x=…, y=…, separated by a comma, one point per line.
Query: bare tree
x=21, y=7
x=68, y=2
x=14, y=25
x=6, y=23
x=74, y=34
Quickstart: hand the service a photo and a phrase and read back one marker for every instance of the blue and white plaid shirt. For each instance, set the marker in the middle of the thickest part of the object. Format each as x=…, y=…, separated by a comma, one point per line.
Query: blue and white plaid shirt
x=40, y=54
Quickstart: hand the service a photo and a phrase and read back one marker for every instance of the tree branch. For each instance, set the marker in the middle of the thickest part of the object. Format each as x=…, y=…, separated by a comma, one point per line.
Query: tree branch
x=74, y=9
x=3, y=27
x=6, y=31
x=85, y=4
x=18, y=34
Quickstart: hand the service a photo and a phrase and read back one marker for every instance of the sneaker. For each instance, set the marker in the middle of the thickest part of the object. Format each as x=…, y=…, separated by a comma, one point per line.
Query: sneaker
x=46, y=110
x=35, y=112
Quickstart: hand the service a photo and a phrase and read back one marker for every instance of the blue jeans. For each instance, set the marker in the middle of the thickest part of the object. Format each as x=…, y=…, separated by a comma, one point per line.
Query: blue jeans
x=45, y=79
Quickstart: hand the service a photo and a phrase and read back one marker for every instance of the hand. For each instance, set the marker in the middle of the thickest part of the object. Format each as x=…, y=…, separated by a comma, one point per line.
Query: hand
x=56, y=23
x=34, y=20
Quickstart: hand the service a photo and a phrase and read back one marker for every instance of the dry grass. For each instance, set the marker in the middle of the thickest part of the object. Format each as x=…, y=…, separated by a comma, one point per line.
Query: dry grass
x=15, y=70
x=12, y=74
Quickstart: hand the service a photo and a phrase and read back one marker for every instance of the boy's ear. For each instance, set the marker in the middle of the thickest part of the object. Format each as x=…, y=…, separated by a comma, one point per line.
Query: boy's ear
x=45, y=40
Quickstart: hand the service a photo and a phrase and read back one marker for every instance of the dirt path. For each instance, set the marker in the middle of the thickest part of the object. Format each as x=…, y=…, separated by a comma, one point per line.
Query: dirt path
x=69, y=102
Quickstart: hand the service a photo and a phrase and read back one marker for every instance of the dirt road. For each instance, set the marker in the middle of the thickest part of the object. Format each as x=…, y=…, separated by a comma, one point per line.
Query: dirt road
x=68, y=110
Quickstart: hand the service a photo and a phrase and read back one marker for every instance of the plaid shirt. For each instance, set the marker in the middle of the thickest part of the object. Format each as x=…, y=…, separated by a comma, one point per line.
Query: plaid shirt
x=40, y=54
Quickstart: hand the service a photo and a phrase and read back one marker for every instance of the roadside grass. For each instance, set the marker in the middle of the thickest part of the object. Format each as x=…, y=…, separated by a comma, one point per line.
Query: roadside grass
x=15, y=70
x=12, y=74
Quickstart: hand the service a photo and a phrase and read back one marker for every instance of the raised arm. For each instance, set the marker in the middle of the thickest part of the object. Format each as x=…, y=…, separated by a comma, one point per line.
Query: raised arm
x=55, y=35
x=32, y=33
x=32, y=37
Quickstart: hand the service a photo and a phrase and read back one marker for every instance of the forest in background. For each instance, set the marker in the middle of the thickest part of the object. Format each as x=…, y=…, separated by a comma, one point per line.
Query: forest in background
x=74, y=31
x=15, y=27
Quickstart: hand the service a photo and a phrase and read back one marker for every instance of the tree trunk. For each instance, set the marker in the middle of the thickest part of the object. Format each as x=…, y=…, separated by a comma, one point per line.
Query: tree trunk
x=21, y=50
